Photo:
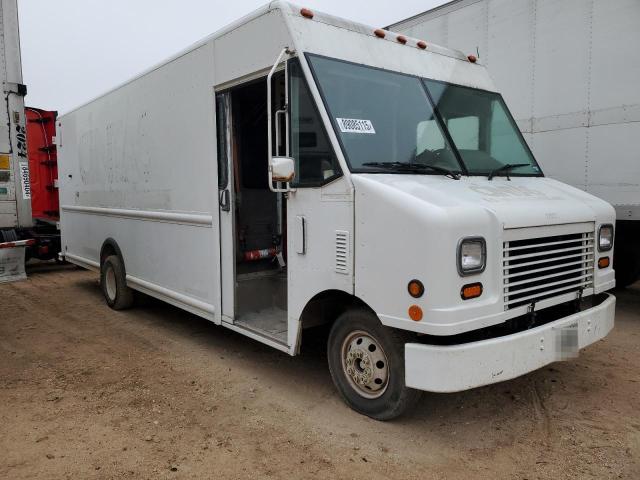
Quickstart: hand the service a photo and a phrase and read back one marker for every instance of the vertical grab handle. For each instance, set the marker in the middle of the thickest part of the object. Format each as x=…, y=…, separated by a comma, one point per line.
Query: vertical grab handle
x=279, y=113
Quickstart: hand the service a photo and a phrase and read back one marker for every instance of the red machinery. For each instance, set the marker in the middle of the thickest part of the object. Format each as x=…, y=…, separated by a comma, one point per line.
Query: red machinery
x=43, y=164
x=43, y=171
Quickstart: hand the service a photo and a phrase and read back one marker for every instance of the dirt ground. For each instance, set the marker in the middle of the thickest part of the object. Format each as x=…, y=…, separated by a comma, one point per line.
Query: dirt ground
x=154, y=392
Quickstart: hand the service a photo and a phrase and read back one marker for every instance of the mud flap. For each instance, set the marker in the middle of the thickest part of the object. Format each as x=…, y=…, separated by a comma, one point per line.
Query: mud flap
x=12, y=261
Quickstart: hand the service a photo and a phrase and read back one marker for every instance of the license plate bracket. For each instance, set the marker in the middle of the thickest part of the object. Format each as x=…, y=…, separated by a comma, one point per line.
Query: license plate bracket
x=567, y=341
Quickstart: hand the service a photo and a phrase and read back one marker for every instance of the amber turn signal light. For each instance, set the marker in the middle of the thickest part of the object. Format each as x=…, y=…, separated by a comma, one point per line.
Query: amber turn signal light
x=306, y=13
x=415, y=288
x=415, y=313
x=473, y=290
x=603, y=262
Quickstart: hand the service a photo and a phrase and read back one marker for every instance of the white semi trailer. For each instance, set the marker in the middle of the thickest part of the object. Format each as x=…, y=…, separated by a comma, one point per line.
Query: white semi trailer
x=567, y=70
x=296, y=169
x=15, y=187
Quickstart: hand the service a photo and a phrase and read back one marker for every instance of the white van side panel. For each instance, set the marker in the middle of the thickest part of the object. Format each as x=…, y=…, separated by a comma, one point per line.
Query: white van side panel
x=138, y=165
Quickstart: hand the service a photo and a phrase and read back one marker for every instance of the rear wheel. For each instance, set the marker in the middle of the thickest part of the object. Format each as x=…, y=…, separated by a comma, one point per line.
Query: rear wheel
x=114, y=284
x=366, y=361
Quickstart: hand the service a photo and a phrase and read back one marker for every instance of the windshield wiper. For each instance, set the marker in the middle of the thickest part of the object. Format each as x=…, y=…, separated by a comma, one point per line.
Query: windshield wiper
x=413, y=167
x=505, y=168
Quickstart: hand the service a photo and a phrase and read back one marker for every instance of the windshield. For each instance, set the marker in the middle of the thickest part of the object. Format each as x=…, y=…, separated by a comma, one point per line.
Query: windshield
x=382, y=117
x=482, y=129
x=387, y=119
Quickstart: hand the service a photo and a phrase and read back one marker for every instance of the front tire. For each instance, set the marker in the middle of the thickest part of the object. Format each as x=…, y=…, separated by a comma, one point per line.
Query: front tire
x=366, y=361
x=114, y=284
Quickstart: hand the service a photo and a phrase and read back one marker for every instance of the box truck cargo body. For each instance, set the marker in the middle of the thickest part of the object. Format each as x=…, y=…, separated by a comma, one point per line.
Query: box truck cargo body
x=15, y=190
x=568, y=73
x=28, y=172
x=297, y=169
x=15, y=186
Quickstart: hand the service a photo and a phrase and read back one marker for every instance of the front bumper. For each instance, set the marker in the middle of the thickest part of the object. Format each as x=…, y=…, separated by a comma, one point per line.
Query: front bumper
x=462, y=367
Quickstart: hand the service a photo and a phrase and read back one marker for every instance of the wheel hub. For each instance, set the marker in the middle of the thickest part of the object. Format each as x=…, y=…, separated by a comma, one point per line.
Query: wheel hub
x=365, y=364
x=359, y=367
x=111, y=283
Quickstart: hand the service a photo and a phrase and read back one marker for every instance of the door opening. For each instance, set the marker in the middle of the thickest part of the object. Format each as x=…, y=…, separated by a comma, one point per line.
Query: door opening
x=260, y=225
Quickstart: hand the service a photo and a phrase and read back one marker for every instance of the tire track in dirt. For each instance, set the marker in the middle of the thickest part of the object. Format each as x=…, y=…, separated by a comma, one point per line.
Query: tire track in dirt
x=135, y=394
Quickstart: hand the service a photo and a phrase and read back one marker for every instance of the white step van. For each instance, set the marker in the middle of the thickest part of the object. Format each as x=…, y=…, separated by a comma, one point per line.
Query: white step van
x=298, y=169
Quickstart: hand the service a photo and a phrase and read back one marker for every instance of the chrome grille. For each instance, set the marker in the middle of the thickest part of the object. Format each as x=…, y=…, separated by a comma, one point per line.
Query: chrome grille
x=539, y=268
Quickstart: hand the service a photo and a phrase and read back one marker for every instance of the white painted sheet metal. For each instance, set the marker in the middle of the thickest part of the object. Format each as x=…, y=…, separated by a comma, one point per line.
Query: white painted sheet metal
x=139, y=166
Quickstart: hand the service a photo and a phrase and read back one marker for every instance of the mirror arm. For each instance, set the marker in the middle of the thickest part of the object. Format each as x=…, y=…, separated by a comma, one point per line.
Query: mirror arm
x=284, y=51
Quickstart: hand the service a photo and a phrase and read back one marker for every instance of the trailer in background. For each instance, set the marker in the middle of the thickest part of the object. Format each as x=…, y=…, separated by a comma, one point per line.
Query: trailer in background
x=15, y=188
x=29, y=211
x=43, y=168
x=568, y=72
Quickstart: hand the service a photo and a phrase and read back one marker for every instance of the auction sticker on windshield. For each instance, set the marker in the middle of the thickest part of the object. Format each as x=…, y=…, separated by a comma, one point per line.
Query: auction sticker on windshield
x=355, y=125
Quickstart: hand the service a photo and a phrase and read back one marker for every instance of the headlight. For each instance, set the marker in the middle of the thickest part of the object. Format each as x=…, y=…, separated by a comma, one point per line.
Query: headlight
x=472, y=255
x=605, y=237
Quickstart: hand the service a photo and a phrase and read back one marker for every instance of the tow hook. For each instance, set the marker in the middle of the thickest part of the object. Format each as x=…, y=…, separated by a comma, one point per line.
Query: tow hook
x=578, y=300
x=533, y=315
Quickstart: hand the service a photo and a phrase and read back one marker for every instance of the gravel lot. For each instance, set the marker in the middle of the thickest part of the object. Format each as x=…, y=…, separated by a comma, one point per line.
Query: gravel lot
x=154, y=392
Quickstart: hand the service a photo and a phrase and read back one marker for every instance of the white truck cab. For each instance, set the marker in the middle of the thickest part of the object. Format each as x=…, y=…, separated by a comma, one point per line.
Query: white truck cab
x=297, y=169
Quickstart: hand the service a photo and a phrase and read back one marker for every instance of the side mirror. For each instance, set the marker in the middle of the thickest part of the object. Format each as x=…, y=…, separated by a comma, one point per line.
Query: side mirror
x=282, y=169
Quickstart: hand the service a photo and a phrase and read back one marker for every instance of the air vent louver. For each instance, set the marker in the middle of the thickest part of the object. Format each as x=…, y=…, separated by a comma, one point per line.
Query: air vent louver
x=342, y=252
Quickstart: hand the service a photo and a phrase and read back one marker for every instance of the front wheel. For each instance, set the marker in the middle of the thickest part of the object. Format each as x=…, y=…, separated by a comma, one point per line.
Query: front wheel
x=366, y=361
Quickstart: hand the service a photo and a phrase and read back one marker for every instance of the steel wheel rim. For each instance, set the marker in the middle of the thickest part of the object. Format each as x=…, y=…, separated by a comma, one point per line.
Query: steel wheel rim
x=365, y=364
x=110, y=283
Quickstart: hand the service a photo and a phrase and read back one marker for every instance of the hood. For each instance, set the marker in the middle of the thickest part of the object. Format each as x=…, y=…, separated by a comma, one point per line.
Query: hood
x=519, y=202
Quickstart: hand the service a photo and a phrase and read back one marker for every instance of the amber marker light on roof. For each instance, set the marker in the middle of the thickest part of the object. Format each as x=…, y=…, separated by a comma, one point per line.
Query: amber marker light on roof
x=380, y=33
x=306, y=13
x=472, y=58
x=401, y=39
x=422, y=44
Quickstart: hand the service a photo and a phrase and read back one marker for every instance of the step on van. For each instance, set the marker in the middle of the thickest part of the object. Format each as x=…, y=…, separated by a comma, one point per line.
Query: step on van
x=297, y=169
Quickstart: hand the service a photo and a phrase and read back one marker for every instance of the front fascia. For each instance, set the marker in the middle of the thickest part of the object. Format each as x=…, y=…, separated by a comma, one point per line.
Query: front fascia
x=400, y=238
x=408, y=227
x=456, y=368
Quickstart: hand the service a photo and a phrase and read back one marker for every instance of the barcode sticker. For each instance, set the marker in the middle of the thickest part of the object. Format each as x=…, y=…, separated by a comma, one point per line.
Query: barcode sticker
x=26, y=182
x=355, y=125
